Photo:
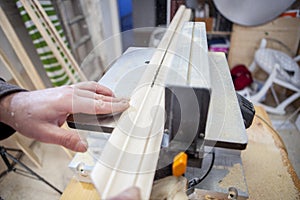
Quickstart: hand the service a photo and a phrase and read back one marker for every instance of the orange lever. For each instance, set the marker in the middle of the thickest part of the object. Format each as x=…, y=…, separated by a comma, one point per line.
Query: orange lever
x=179, y=164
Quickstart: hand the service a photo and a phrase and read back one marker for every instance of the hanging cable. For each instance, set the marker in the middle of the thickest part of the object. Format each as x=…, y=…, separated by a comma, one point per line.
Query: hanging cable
x=195, y=181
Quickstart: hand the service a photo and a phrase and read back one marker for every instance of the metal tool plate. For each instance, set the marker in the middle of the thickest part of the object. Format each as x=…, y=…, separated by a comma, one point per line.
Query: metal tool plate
x=225, y=126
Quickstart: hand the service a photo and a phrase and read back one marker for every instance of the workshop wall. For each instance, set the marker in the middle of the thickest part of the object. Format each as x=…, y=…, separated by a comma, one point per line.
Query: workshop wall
x=246, y=40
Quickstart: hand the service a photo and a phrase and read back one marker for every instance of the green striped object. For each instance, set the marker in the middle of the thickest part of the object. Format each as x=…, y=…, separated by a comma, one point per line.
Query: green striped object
x=54, y=70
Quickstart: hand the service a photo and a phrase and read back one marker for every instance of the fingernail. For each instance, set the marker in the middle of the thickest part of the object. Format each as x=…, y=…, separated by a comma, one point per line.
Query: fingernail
x=82, y=146
x=125, y=102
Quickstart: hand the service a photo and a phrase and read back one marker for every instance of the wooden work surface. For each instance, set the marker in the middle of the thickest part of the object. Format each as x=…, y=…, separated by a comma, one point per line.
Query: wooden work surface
x=268, y=171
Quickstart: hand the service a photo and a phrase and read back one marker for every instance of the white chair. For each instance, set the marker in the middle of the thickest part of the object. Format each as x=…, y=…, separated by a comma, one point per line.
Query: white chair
x=282, y=70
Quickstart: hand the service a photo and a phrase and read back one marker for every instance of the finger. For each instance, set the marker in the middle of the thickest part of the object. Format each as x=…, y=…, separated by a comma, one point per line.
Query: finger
x=70, y=139
x=94, y=87
x=92, y=95
x=110, y=99
x=113, y=107
x=67, y=138
x=92, y=106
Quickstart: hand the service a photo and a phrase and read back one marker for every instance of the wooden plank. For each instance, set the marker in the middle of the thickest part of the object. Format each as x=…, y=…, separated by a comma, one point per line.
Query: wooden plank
x=166, y=40
x=134, y=148
x=78, y=190
x=173, y=27
x=15, y=74
x=130, y=157
x=278, y=24
x=245, y=41
x=199, y=70
x=266, y=164
x=173, y=53
x=178, y=71
x=20, y=51
x=45, y=34
x=49, y=33
x=58, y=39
x=31, y=155
x=189, y=66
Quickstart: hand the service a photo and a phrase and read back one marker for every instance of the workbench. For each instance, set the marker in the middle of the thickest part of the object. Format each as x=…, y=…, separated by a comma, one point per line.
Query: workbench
x=268, y=171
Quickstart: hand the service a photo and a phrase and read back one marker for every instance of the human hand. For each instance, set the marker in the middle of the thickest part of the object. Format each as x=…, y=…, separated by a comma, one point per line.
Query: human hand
x=40, y=114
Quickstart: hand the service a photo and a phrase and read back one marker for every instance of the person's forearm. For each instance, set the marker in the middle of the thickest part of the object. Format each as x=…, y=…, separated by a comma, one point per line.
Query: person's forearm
x=6, y=90
x=7, y=113
x=4, y=104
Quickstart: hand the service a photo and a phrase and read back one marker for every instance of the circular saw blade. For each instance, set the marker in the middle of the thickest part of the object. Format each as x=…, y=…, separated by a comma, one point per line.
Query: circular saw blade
x=252, y=12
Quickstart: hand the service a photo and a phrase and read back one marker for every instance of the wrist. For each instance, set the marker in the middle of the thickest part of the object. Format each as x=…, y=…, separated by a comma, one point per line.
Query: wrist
x=7, y=109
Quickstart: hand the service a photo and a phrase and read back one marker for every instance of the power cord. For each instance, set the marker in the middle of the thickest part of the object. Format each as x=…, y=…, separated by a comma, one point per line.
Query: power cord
x=195, y=181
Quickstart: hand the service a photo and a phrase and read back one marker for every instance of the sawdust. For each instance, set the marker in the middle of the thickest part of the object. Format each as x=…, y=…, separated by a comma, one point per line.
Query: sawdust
x=267, y=168
x=268, y=171
x=169, y=188
x=269, y=179
x=235, y=178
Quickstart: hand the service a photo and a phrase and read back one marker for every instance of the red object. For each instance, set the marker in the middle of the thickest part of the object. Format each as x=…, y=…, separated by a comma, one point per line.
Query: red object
x=241, y=77
x=290, y=13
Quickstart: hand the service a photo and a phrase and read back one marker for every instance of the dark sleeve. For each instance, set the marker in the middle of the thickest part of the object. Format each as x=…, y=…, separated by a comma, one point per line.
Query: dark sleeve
x=6, y=89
